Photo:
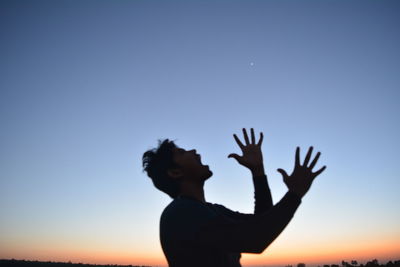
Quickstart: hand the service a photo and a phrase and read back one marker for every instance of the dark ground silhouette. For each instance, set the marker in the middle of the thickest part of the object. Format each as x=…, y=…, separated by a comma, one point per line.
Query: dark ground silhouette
x=14, y=262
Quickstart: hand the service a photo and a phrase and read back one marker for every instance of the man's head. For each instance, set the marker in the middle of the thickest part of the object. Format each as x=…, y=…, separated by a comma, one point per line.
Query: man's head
x=169, y=166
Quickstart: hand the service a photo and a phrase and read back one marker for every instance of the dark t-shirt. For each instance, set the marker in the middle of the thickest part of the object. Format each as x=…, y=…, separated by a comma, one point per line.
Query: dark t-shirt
x=193, y=233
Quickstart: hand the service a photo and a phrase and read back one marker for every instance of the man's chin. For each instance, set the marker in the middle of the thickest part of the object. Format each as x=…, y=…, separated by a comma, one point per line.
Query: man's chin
x=209, y=172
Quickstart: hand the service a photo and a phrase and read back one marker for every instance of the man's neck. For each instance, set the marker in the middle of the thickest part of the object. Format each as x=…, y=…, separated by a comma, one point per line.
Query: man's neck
x=193, y=190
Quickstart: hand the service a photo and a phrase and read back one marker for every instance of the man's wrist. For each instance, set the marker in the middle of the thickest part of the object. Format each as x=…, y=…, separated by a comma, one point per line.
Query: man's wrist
x=258, y=171
x=300, y=195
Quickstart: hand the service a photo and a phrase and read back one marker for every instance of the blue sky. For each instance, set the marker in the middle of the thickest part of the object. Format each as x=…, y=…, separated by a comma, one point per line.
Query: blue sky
x=88, y=86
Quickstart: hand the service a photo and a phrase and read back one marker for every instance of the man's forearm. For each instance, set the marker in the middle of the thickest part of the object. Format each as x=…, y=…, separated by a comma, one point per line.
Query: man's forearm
x=253, y=235
x=262, y=194
x=273, y=222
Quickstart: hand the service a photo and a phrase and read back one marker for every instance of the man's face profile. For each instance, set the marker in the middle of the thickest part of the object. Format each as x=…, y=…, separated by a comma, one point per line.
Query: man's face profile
x=189, y=165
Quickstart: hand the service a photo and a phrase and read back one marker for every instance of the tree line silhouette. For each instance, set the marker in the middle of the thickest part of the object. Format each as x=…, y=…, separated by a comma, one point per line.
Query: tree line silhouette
x=354, y=263
x=14, y=262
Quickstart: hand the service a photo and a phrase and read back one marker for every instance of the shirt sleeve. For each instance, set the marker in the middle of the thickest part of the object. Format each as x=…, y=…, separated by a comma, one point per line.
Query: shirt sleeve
x=252, y=235
x=262, y=194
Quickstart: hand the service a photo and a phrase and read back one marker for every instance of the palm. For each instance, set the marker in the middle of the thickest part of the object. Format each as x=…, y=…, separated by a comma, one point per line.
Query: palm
x=302, y=176
x=251, y=155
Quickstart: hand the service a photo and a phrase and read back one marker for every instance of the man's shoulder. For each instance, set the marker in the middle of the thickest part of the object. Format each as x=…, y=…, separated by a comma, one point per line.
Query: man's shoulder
x=185, y=210
x=184, y=205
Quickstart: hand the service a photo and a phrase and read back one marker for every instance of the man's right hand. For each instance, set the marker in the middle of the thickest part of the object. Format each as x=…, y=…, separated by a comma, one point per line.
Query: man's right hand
x=252, y=155
x=299, y=182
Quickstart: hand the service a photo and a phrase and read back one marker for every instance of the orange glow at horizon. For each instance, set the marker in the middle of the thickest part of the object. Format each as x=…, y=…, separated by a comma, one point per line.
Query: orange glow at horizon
x=274, y=255
x=89, y=257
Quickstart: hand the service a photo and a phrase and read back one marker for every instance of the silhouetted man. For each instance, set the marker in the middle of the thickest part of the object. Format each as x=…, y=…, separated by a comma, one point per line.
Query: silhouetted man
x=194, y=232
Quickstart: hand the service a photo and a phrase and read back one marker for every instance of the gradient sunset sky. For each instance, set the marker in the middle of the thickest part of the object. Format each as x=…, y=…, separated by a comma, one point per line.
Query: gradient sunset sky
x=87, y=86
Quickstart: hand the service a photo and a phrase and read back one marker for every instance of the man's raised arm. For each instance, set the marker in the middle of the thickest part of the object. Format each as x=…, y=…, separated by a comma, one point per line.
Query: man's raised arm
x=258, y=232
x=253, y=160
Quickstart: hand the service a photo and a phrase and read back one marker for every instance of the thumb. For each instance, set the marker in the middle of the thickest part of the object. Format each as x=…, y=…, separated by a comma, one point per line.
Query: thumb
x=235, y=156
x=284, y=174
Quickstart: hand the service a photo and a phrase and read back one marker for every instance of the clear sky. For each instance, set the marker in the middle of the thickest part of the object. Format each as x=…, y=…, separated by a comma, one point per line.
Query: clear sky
x=88, y=86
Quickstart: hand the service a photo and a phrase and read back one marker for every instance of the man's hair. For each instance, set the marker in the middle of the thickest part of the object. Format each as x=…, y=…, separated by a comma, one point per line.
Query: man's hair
x=156, y=163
